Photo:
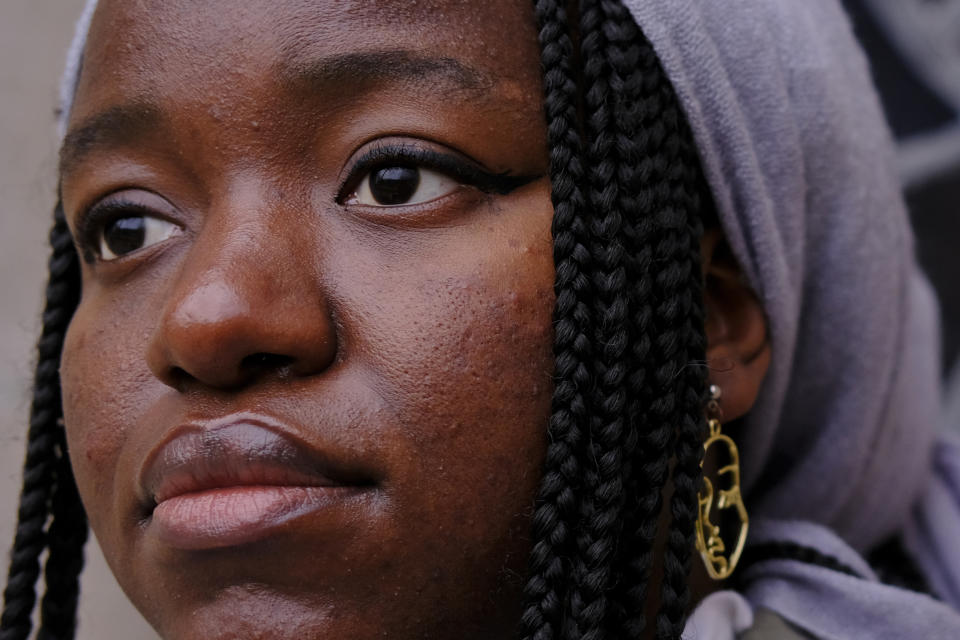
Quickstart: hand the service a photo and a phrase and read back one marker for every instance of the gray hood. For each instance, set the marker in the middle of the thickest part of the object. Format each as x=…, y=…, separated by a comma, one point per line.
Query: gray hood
x=802, y=169
x=842, y=450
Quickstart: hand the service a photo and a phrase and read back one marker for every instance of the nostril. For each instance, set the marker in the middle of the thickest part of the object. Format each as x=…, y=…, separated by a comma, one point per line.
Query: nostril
x=249, y=368
x=259, y=362
x=179, y=377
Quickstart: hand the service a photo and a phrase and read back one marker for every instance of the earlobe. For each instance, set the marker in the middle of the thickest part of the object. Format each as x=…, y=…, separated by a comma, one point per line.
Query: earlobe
x=738, y=349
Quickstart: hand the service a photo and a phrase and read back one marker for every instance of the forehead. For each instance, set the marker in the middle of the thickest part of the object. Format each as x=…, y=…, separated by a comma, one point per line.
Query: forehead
x=150, y=47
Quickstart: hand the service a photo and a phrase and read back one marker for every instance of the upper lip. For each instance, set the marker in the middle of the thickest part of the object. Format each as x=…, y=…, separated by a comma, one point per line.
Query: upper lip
x=234, y=452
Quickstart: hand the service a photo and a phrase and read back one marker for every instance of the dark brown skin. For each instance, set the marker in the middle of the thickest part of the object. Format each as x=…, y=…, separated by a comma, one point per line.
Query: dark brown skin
x=409, y=344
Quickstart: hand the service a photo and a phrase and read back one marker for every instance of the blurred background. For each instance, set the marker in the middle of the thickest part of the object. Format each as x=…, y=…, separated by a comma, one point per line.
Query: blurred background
x=914, y=50
x=914, y=46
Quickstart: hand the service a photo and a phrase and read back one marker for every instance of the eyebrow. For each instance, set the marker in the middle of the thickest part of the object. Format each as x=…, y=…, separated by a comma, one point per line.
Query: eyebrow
x=125, y=124
x=117, y=126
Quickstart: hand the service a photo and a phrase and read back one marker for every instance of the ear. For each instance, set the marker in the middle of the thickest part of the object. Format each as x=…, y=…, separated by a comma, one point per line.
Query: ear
x=738, y=350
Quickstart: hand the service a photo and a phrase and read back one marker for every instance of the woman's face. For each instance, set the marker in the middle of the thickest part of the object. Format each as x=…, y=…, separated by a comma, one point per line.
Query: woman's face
x=307, y=386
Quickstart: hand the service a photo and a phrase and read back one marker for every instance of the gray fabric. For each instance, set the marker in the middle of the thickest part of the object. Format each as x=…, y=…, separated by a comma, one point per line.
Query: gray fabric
x=837, y=453
x=927, y=36
x=71, y=72
x=767, y=625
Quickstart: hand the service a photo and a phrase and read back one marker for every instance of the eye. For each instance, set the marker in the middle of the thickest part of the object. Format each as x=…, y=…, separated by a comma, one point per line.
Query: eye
x=124, y=235
x=392, y=173
x=401, y=184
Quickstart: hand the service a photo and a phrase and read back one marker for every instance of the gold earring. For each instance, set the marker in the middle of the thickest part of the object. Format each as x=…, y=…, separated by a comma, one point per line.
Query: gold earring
x=710, y=542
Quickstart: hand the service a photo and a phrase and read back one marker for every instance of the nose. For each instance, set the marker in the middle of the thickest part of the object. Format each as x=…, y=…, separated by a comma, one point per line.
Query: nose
x=245, y=305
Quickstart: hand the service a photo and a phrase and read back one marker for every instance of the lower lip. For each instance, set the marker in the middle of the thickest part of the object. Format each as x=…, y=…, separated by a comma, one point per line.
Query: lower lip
x=234, y=516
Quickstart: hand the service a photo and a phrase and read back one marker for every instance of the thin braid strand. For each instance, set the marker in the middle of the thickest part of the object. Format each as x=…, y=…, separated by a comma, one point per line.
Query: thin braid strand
x=45, y=413
x=556, y=506
x=632, y=62
x=602, y=509
x=684, y=278
x=66, y=538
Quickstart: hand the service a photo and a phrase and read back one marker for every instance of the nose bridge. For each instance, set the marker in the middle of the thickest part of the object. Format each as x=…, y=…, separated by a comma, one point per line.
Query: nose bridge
x=244, y=247
x=247, y=299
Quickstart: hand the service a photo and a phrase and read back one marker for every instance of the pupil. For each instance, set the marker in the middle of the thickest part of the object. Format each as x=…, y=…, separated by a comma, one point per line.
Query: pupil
x=125, y=235
x=394, y=185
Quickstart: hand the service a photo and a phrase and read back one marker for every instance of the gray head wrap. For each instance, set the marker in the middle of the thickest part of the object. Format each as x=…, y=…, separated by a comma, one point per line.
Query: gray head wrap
x=841, y=449
x=71, y=72
x=803, y=174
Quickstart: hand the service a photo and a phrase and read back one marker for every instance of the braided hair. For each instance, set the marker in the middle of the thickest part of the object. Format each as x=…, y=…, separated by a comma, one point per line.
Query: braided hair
x=629, y=322
x=50, y=517
x=627, y=409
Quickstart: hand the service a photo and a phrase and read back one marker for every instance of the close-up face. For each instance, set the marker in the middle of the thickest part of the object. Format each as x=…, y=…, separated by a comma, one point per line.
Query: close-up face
x=445, y=319
x=307, y=385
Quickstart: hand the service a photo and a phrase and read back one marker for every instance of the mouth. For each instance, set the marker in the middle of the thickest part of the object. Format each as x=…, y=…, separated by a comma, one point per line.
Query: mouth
x=237, y=482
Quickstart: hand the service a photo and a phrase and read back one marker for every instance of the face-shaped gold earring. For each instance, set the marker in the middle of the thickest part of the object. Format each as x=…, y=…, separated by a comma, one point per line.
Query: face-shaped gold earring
x=712, y=543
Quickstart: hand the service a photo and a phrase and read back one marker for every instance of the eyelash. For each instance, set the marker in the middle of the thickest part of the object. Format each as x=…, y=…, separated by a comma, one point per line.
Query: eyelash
x=462, y=171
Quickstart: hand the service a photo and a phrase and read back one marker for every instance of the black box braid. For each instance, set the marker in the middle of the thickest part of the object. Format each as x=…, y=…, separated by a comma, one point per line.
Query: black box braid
x=603, y=501
x=555, y=515
x=50, y=516
x=629, y=341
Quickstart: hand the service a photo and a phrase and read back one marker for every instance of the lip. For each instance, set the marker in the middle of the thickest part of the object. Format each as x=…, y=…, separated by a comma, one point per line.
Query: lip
x=237, y=481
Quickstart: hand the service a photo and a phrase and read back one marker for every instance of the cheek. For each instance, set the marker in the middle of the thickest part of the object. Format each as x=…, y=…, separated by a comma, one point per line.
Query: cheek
x=478, y=431
x=465, y=350
x=105, y=385
x=472, y=400
x=464, y=362
x=484, y=366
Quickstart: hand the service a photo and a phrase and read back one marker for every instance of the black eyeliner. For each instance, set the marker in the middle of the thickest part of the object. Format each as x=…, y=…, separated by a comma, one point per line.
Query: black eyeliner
x=462, y=170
